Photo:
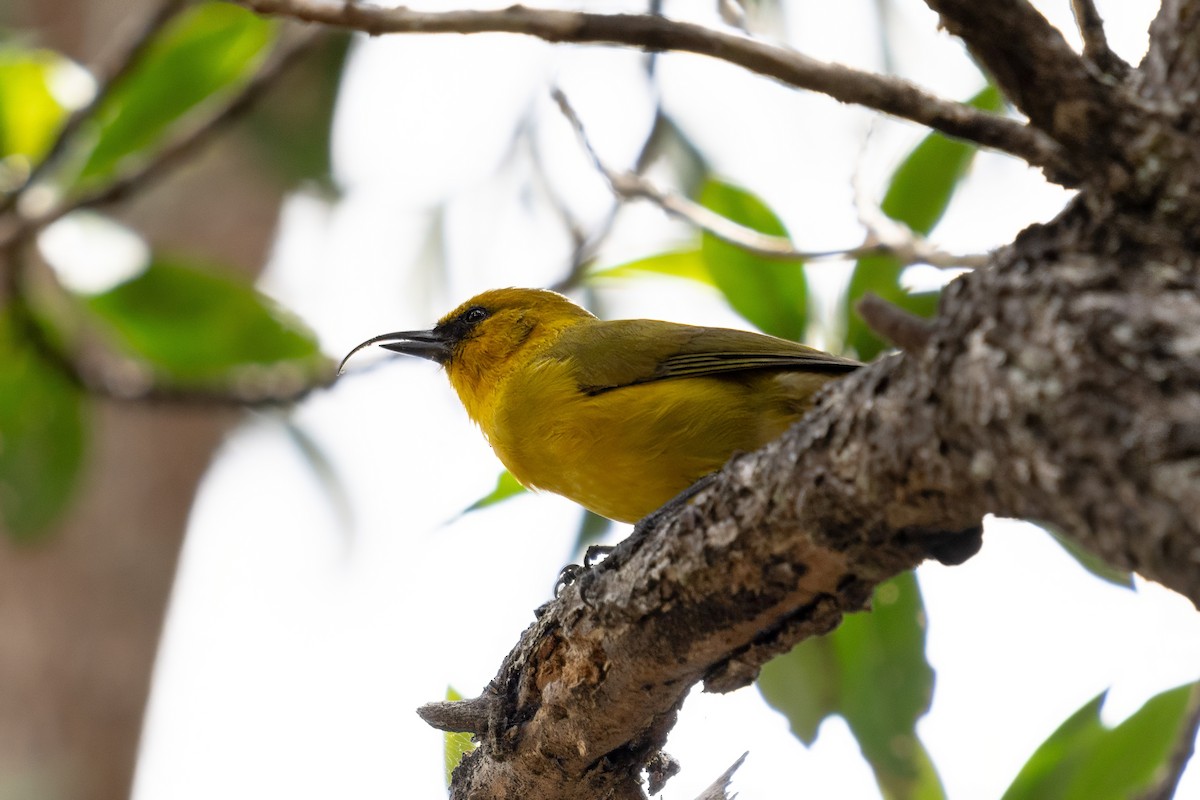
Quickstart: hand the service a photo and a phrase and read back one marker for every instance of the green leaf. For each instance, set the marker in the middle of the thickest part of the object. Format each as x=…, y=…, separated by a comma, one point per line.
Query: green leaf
x=43, y=433
x=770, y=293
x=506, y=487
x=457, y=745
x=918, y=195
x=198, y=327
x=872, y=671
x=29, y=113
x=924, y=183
x=804, y=685
x=1090, y=561
x=207, y=49
x=688, y=264
x=1086, y=760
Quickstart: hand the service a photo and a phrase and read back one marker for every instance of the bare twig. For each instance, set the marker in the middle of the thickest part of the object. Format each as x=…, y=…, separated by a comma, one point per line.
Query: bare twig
x=896, y=239
x=893, y=238
x=110, y=72
x=882, y=93
x=719, y=789
x=1095, y=42
x=588, y=243
x=460, y=716
x=907, y=331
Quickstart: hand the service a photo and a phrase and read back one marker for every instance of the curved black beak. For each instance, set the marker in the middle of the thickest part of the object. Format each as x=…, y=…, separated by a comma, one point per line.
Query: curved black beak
x=433, y=345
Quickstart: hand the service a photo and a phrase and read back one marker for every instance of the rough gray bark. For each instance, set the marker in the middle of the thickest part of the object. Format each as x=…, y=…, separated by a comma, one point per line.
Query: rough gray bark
x=1061, y=383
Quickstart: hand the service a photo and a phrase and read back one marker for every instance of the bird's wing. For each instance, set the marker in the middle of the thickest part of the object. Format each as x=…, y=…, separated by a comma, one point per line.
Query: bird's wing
x=609, y=355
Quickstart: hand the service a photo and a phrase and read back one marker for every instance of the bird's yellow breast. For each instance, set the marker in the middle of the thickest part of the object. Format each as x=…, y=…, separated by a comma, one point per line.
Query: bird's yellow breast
x=624, y=453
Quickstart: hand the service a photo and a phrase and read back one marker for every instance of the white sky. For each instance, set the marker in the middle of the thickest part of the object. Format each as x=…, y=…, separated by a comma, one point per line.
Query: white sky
x=305, y=630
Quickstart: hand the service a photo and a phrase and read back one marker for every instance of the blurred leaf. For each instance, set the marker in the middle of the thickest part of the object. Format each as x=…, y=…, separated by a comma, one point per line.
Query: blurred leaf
x=804, y=685
x=506, y=487
x=1091, y=562
x=1086, y=760
x=872, y=671
x=291, y=125
x=924, y=182
x=198, y=327
x=770, y=293
x=29, y=114
x=206, y=49
x=918, y=195
x=688, y=264
x=457, y=744
x=42, y=438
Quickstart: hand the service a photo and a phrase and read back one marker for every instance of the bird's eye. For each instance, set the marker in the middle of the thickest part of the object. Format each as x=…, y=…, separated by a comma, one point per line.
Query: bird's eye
x=474, y=314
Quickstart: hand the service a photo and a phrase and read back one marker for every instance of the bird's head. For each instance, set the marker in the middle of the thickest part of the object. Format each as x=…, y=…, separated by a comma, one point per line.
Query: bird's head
x=484, y=339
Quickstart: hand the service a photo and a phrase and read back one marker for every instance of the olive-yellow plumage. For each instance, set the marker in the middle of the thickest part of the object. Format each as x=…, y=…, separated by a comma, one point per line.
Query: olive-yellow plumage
x=619, y=416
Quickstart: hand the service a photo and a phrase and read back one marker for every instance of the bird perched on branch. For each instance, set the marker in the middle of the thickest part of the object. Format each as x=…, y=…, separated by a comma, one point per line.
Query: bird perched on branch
x=619, y=416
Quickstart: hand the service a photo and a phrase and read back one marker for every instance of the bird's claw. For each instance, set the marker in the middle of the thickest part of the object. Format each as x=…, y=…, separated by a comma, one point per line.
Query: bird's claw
x=595, y=554
x=572, y=572
x=567, y=576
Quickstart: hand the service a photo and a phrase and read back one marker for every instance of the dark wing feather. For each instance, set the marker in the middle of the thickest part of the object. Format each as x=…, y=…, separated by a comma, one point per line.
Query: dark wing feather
x=610, y=355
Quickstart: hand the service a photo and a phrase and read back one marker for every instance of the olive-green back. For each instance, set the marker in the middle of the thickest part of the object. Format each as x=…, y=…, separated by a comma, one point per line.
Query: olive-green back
x=611, y=354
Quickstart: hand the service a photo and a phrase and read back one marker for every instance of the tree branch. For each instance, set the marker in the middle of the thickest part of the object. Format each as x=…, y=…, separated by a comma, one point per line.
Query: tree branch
x=882, y=93
x=1095, y=42
x=1036, y=68
x=907, y=331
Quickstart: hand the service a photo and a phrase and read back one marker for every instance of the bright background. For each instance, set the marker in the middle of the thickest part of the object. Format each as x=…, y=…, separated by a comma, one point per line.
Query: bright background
x=313, y=614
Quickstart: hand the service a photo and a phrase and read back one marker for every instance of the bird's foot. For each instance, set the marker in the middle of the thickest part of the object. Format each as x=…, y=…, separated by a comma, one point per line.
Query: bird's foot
x=573, y=572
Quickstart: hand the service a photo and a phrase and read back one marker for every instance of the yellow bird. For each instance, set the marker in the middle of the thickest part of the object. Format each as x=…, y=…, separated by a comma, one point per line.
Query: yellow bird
x=619, y=416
